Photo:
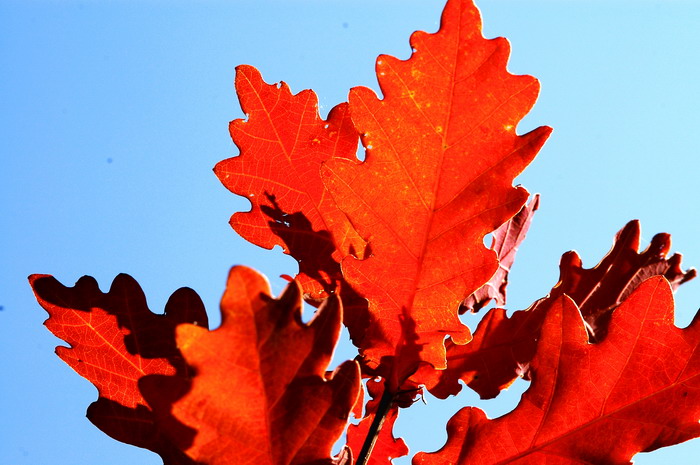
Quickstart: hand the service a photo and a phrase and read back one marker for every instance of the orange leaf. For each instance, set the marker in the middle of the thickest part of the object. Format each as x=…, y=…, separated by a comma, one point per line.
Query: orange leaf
x=115, y=341
x=441, y=156
x=260, y=394
x=636, y=391
x=283, y=143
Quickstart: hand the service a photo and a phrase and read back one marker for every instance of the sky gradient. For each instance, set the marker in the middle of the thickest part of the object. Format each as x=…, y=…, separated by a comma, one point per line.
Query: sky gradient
x=115, y=113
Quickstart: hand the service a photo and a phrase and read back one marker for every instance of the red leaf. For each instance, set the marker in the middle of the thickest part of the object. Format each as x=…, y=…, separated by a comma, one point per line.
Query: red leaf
x=386, y=447
x=441, y=155
x=636, y=391
x=600, y=289
x=501, y=351
x=260, y=394
x=506, y=240
x=283, y=144
x=503, y=347
x=114, y=341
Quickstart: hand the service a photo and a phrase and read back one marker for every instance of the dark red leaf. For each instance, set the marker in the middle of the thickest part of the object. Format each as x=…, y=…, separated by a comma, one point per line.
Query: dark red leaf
x=501, y=351
x=506, y=240
x=597, y=291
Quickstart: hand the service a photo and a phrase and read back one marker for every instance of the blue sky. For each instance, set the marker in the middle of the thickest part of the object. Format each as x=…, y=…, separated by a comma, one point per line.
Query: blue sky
x=115, y=112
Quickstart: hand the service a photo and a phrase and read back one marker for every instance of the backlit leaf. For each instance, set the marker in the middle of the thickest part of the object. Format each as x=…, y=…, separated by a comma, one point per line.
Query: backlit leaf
x=114, y=340
x=636, y=391
x=600, y=289
x=283, y=143
x=505, y=242
x=441, y=156
x=503, y=347
x=260, y=394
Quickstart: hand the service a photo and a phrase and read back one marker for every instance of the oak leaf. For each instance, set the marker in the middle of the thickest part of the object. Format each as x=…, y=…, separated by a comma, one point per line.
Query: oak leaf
x=635, y=391
x=503, y=346
x=260, y=394
x=597, y=291
x=283, y=142
x=505, y=242
x=500, y=351
x=441, y=156
x=114, y=341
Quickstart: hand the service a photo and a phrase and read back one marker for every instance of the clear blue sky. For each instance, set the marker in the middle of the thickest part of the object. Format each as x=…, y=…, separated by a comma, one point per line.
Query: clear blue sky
x=114, y=113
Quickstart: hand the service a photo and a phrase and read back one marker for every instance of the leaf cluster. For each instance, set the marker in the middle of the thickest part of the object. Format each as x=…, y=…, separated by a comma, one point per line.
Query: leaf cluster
x=392, y=247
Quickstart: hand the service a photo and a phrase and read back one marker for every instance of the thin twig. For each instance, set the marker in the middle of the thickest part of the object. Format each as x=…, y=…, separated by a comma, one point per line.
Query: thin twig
x=383, y=408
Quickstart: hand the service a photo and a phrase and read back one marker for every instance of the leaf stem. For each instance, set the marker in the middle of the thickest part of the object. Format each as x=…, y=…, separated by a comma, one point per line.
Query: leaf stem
x=383, y=408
